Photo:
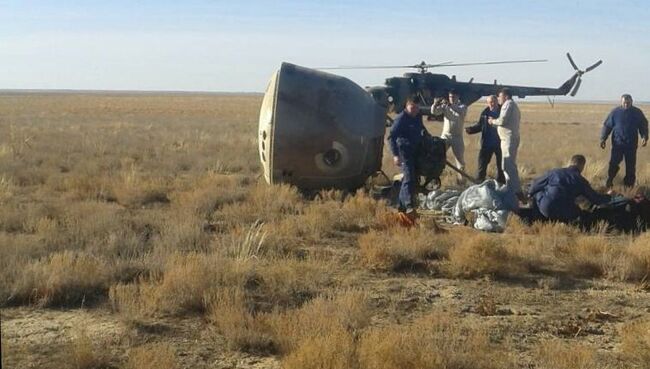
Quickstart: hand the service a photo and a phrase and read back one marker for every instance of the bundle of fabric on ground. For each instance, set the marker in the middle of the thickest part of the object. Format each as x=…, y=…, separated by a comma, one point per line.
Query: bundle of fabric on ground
x=486, y=206
x=441, y=200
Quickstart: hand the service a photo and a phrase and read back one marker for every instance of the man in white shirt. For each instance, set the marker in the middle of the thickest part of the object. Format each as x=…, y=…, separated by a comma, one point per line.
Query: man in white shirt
x=452, y=129
x=508, y=128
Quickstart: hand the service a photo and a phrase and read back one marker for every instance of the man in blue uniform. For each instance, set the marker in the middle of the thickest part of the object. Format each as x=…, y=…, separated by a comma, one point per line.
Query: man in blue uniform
x=404, y=139
x=625, y=123
x=490, y=141
x=555, y=193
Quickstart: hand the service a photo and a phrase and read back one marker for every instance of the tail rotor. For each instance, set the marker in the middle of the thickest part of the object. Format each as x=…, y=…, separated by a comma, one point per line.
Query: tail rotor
x=579, y=73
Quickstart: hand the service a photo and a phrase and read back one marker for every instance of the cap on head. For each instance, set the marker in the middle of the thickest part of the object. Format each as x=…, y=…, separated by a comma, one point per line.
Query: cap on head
x=626, y=96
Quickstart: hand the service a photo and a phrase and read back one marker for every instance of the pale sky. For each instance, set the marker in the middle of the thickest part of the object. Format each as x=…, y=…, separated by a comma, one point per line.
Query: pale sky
x=236, y=45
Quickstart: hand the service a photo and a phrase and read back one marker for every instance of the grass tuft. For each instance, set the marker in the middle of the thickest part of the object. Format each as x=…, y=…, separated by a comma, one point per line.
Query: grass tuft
x=635, y=342
x=557, y=354
x=401, y=249
x=152, y=356
x=63, y=279
x=81, y=353
x=484, y=255
x=436, y=341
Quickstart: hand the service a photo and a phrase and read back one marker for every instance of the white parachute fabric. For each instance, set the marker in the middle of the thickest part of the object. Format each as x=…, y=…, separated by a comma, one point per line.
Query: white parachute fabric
x=443, y=200
x=489, y=203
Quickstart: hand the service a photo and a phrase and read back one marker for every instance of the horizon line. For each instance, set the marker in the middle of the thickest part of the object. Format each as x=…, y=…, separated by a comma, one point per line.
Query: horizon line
x=28, y=91
x=120, y=91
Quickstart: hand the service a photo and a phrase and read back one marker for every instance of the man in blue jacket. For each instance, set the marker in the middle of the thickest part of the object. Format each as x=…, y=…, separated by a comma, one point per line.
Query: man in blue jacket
x=404, y=139
x=490, y=141
x=625, y=123
x=555, y=192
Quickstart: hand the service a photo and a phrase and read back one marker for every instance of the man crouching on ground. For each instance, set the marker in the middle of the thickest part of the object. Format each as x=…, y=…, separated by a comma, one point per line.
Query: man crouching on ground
x=404, y=139
x=554, y=194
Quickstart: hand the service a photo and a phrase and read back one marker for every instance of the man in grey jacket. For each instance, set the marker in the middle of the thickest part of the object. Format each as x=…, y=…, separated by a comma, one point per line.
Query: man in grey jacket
x=508, y=128
x=452, y=130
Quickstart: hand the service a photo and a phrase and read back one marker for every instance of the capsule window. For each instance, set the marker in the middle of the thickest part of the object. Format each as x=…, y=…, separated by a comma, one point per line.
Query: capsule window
x=332, y=157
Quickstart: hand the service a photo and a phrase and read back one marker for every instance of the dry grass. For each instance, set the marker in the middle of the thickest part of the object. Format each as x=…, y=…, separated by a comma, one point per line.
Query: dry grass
x=134, y=301
x=152, y=356
x=484, y=255
x=154, y=204
x=234, y=318
x=297, y=333
x=186, y=279
x=557, y=354
x=64, y=279
x=210, y=192
x=334, y=350
x=638, y=260
x=263, y=203
x=189, y=282
x=635, y=343
x=347, y=313
x=401, y=249
x=180, y=288
x=546, y=248
x=283, y=207
x=81, y=353
x=589, y=256
x=7, y=352
x=437, y=340
x=247, y=243
x=7, y=188
x=553, y=248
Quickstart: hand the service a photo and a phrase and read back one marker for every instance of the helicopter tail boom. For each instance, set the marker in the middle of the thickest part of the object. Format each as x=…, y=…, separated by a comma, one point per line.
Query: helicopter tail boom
x=569, y=87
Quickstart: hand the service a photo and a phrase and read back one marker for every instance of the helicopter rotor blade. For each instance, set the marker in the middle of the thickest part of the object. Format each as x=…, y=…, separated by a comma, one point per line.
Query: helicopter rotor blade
x=384, y=66
x=426, y=66
x=596, y=64
x=366, y=67
x=576, y=87
x=493, y=62
x=573, y=64
x=437, y=65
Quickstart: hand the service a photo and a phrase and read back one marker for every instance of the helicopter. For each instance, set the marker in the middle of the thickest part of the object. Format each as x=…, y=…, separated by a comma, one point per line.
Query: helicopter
x=319, y=130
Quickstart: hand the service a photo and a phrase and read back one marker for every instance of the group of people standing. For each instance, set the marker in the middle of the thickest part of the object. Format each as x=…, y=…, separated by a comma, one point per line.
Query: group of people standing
x=555, y=192
x=499, y=127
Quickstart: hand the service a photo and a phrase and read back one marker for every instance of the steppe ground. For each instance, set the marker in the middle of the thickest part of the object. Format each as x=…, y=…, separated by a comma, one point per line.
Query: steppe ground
x=135, y=232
